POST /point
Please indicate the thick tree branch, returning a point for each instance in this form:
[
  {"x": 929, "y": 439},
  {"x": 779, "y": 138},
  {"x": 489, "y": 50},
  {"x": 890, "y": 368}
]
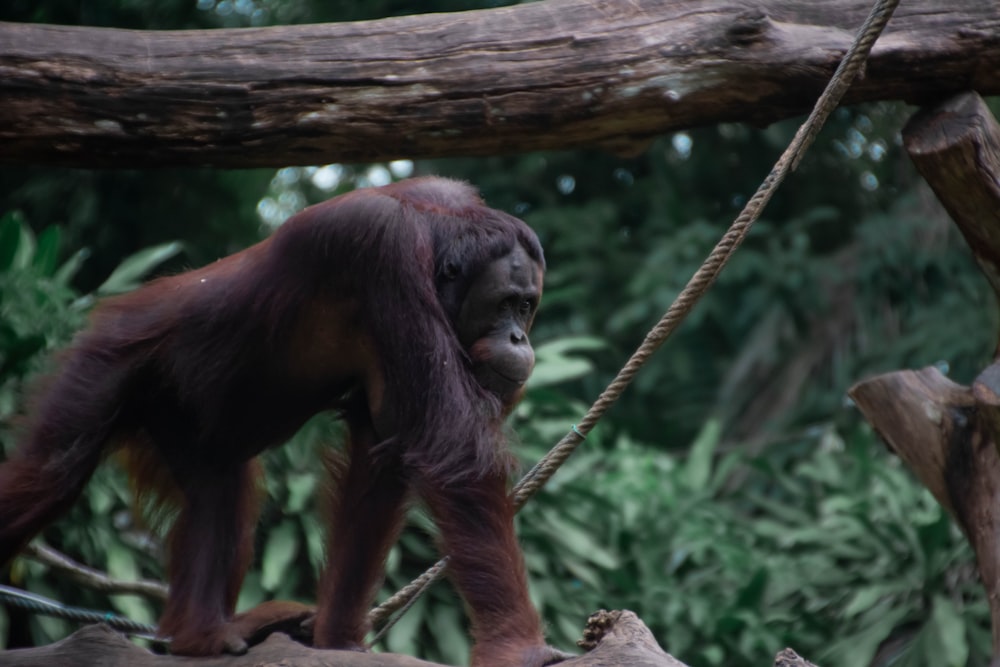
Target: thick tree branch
[
  {"x": 622, "y": 636},
  {"x": 552, "y": 74},
  {"x": 91, "y": 578},
  {"x": 611, "y": 638},
  {"x": 946, "y": 436}
]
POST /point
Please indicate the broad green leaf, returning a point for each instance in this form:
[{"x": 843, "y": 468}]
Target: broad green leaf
[
  {"x": 393, "y": 560},
  {"x": 10, "y": 238},
  {"x": 25, "y": 249},
  {"x": 65, "y": 273},
  {"x": 120, "y": 562},
  {"x": 404, "y": 635},
  {"x": 301, "y": 488},
  {"x": 101, "y": 499},
  {"x": 949, "y": 637},
  {"x": 863, "y": 599},
  {"x": 134, "y": 607},
  {"x": 47, "y": 252},
  {"x": 568, "y": 626},
  {"x": 315, "y": 539},
  {"x": 47, "y": 628},
  {"x": 251, "y": 593},
  {"x": 752, "y": 594},
  {"x": 449, "y": 633},
  {"x": 17, "y": 242},
  {"x": 4, "y": 627},
  {"x": 279, "y": 552},
  {"x": 554, "y": 371},
  {"x": 134, "y": 267},
  {"x": 698, "y": 466},
  {"x": 562, "y": 346},
  {"x": 586, "y": 574},
  {"x": 859, "y": 648},
  {"x": 554, "y": 362},
  {"x": 578, "y": 540}
]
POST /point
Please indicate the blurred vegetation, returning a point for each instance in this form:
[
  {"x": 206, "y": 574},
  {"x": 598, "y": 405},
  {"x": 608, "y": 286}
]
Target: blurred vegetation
[{"x": 734, "y": 498}]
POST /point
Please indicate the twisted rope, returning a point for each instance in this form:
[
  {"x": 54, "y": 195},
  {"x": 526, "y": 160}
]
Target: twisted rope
[
  {"x": 37, "y": 604},
  {"x": 695, "y": 288}
]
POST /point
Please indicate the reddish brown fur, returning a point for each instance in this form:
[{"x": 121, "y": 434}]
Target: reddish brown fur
[{"x": 344, "y": 308}]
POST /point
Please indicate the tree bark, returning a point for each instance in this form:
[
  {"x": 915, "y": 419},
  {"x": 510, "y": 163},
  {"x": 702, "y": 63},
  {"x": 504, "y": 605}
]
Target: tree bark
[
  {"x": 948, "y": 438},
  {"x": 947, "y": 433},
  {"x": 956, "y": 148},
  {"x": 611, "y": 638},
  {"x": 544, "y": 75}
]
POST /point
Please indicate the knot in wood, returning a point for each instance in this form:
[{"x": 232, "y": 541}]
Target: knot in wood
[
  {"x": 598, "y": 624},
  {"x": 748, "y": 27}
]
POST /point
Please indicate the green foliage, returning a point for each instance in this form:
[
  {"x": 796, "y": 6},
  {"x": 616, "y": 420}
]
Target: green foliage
[
  {"x": 128, "y": 275},
  {"x": 114, "y": 213},
  {"x": 39, "y": 311},
  {"x": 728, "y": 558}
]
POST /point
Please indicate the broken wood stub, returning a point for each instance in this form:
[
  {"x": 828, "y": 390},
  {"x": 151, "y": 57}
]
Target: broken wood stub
[
  {"x": 956, "y": 148},
  {"x": 611, "y": 635},
  {"x": 947, "y": 438},
  {"x": 946, "y": 433},
  {"x": 920, "y": 415}
]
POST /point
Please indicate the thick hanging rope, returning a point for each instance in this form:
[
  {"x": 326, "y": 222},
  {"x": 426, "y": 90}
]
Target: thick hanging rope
[{"x": 696, "y": 287}]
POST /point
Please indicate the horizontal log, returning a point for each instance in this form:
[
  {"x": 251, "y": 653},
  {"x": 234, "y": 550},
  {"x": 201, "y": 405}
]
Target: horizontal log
[
  {"x": 612, "y": 638},
  {"x": 544, "y": 75}
]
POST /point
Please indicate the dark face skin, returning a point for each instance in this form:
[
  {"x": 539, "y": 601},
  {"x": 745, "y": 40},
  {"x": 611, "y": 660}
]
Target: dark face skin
[{"x": 495, "y": 319}]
